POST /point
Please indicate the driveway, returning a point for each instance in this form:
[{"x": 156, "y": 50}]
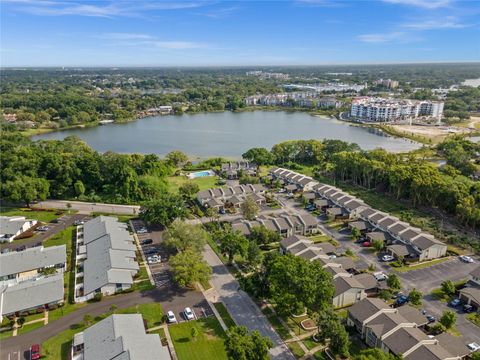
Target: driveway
[
  {"x": 53, "y": 229},
  {"x": 241, "y": 307}
]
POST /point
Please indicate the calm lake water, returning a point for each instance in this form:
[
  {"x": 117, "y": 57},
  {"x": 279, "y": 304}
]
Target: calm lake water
[{"x": 225, "y": 134}]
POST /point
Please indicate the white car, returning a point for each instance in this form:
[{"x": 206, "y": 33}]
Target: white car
[
  {"x": 473, "y": 347},
  {"x": 387, "y": 258},
  {"x": 189, "y": 313},
  {"x": 154, "y": 259},
  {"x": 142, "y": 231},
  {"x": 380, "y": 276},
  {"x": 466, "y": 259},
  {"x": 171, "y": 317}
]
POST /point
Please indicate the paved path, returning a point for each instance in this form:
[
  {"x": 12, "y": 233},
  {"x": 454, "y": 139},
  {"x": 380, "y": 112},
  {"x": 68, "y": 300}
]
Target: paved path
[
  {"x": 242, "y": 309},
  {"x": 85, "y": 207}
]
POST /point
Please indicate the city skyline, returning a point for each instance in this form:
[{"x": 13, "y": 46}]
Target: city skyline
[{"x": 206, "y": 33}]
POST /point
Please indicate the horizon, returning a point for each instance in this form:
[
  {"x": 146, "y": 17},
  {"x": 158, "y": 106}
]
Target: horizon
[{"x": 201, "y": 33}]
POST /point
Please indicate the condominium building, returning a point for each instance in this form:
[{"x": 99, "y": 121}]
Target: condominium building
[{"x": 379, "y": 109}]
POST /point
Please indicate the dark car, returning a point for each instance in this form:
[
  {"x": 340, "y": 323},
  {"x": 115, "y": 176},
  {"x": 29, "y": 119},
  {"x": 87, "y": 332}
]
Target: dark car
[
  {"x": 21, "y": 248},
  {"x": 401, "y": 300},
  {"x": 146, "y": 242},
  {"x": 455, "y": 302},
  {"x": 55, "y": 221},
  {"x": 150, "y": 251},
  {"x": 468, "y": 308},
  {"x": 35, "y": 352},
  {"x": 431, "y": 318}
]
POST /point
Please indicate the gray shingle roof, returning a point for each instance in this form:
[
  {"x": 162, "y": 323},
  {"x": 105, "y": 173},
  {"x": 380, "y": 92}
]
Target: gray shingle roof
[
  {"x": 31, "y": 259},
  {"x": 10, "y": 225},
  {"x": 404, "y": 339},
  {"x": 122, "y": 336},
  {"x": 429, "y": 352},
  {"x": 31, "y": 294},
  {"x": 366, "y": 308},
  {"x": 412, "y": 314},
  {"x": 453, "y": 344},
  {"x": 343, "y": 284}
]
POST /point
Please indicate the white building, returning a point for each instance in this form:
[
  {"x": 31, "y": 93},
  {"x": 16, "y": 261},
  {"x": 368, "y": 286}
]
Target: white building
[
  {"x": 379, "y": 109},
  {"x": 12, "y": 226}
]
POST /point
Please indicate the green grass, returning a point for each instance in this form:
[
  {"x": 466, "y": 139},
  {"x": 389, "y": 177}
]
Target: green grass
[
  {"x": 320, "y": 355},
  {"x": 422, "y": 265},
  {"x": 29, "y": 327},
  {"x": 58, "y": 346},
  {"x": 5, "y": 334},
  {"x": 222, "y": 310},
  {"x": 209, "y": 344},
  {"x": 309, "y": 343},
  {"x": 276, "y": 324},
  {"x": 44, "y": 216},
  {"x": 474, "y": 318},
  {"x": 203, "y": 183},
  {"x": 296, "y": 349},
  {"x": 294, "y": 323}
]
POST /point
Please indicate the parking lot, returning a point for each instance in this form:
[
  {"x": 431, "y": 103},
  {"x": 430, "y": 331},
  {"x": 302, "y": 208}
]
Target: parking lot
[{"x": 171, "y": 297}]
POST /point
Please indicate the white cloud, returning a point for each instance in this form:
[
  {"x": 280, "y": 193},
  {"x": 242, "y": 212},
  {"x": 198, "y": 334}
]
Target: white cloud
[
  {"x": 426, "y": 4},
  {"x": 447, "y": 23},
  {"x": 384, "y": 37}
]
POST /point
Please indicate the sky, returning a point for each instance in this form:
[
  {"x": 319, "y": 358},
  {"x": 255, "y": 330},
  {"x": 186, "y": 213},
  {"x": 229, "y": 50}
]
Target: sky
[{"x": 231, "y": 33}]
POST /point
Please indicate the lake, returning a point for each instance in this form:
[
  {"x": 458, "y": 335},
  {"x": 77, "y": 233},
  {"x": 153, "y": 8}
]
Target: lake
[{"x": 225, "y": 134}]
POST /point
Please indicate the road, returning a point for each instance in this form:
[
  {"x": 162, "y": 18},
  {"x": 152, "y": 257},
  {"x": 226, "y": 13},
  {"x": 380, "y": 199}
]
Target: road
[
  {"x": 85, "y": 207},
  {"x": 241, "y": 307}
]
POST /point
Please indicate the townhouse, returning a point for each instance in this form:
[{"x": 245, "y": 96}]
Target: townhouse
[
  {"x": 219, "y": 198},
  {"x": 399, "y": 331},
  {"x": 119, "y": 336},
  {"x": 470, "y": 294},
  {"x": 300, "y": 181},
  {"x": 13, "y": 226},
  {"x": 233, "y": 170},
  {"x": 106, "y": 256},
  {"x": 31, "y": 263}
]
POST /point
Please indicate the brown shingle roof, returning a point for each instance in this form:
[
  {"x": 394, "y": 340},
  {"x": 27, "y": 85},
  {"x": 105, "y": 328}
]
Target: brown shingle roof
[
  {"x": 413, "y": 315},
  {"x": 429, "y": 352},
  {"x": 343, "y": 284},
  {"x": 366, "y": 308},
  {"x": 404, "y": 339}
]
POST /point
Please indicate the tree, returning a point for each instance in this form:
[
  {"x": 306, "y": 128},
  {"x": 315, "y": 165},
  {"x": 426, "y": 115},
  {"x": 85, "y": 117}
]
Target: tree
[
  {"x": 249, "y": 208},
  {"x": 448, "y": 319},
  {"x": 182, "y": 236},
  {"x": 241, "y": 345},
  {"x": 330, "y": 328},
  {"x": 355, "y": 234},
  {"x": 87, "y": 320},
  {"x": 188, "y": 190},
  {"x": 415, "y": 297},
  {"x": 26, "y": 189},
  {"x": 263, "y": 236},
  {"x": 259, "y": 156},
  {"x": 177, "y": 158},
  {"x": 437, "y": 328},
  {"x": 374, "y": 354},
  {"x": 378, "y": 245},
  {"x": 189, "y": 267},
  {"x": 393, "y": 282},
  {"x": 254, "y": 254},
  {"x": 232, "y": 243},
  {"x": 21, "y": 321},
  {"x": 385, "y": 294},
  {"x": 448, "y": 287},
  {"x": 163, "y": 210},
  {"x": 79, "y": 188}
]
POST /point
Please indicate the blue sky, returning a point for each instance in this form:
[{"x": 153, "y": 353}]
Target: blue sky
[{"x": 191, "y": 32}]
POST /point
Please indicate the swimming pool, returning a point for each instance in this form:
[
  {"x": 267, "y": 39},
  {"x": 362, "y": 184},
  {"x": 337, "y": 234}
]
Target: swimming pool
[{"x": 201, "y": 174}]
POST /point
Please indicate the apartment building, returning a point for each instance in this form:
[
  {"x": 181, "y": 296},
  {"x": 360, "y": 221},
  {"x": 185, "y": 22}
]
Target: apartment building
[{"x": 13, "y": 226}]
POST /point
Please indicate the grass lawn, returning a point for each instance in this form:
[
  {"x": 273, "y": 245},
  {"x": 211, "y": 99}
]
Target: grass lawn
[
  {"x": 320, "y": 355},
  {"x": 5, "y": 334},
  {"x": 209, "y": 343},
  {"x": 294, "y": 323},
  {"x": 222, "y": 310},
  {"x": 474, "y": 318},
  {"x": 296, "y": 349},
  {"x": 29, "y": 327},
  {"x": 58, "y": 346},
  {"x": 203, "y": 183},
  {"x": 420, "y": 266},
  {"x": 276, "y": 324},
  {"x": 44, "y": 216}
]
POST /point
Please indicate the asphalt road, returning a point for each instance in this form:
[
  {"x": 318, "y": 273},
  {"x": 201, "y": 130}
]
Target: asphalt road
[
  {"x": 85, "y": 207},
  {"x": 241, "y": 307}
]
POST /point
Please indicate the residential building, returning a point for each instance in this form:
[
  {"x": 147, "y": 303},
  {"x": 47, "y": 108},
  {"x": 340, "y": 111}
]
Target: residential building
[
  {"x": 41, "y": 292},
  {"x": 383, "y": 110},
  {"x": 119, "y": 336},
  {"x": 233, "y": 196},
  {"x": 475, "y": 276},
  {"x": 303, "y": 182},
  {"x": 13, "y": 226},
  {"x": 106, "y": 254},
  {"x": 233, "y": 170},
  {"x": 388, "y": 83},
  {"x": 29, "y": 264},
  {"x": 348, "y": 291}
]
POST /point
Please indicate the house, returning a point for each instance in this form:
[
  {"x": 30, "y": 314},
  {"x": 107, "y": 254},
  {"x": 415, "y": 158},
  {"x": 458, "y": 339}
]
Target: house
[
  {"x": 108, "y": 260},
  {"x": 336, "y": 213},
  {"x": 382, "y": 326},
  {"x": 24, "y": 265},
  {"x": 304, "y": 183},
  {"x": 401, "y": 251},
  {"x": 233, "y": 170},
  {"x": 470, "y": 296},
  {"x": 321, "y": 204},
  {"x": 293, "y": 241},
  {"x": 219, "y": 198},
  {"x": 347, "y": 291},
  {"x": 475, "y": 276},
  {"x": 119, "y": 336},
  {"x": 309, "y": 197},
  {"x": 360, "y": 225},
  {"x": 305, "y": 224},
  {"x": 13, "y": 226},
  {"x": 454, "y": 345},
  {"x": 370, "y": 284},
  {"x": 43, "y": 292},
  {"x": 430, "y": 352},
  {"x": 242, "y": 227},
  {"x": 366, "y": 310}
]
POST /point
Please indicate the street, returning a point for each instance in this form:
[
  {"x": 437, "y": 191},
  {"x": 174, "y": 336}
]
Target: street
[{"x": 86, "y": 208}]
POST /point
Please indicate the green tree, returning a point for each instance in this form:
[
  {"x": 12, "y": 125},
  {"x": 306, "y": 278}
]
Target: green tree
[
  {"x": 79, "y": 188},
  {"x": 189, "y": 190},
  {"x": 177, "y": 158},
  {"x": 437, "y": 328},
  {"x": 448, "y": 319},
  {"x": 448, "y": 287},
  {"x": 330, "y": 328},
  {"x": 163, "y": 210},
  {"x": 26, "y": 189},
  {"x": 182, "y": 236},
  {"x": 254, "y": 254},
  {"x": 263, "y": 236},
  {"x": 189, "y": 267},
  {"x": 259, "y": 156},
  {"x": 378, "y": 245},
  {"x": 241, "y": 345},
  {"x": 249, "y": 208},
  {"x": 374, "y": 354},
  {"x": 232, "y": 243},
  {"x": 385, "y": 294},
  {"x": 393, "y": 282},
  {"x": 415, "y": 297},
  {"x": 355, "y": 234}
]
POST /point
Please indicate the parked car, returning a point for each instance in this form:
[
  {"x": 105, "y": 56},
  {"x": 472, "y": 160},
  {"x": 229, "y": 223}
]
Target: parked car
[
  {"x": 78, "y": 222},
  {"x": 455, "y": 302},
  {"x": 4, "y": 251},
  {"x": 171, "y": 317},
  {"x": 473, "y": 347},
  {"x": 431, "y": 318},
  {"x": 150, "y": 251},
  {"x": 380, "y": 276},
  {"x": 189, "y": 314},
  {"x": 290, "y": 195},
  {"x": 468, "y": 308},
  {"x": 401, "y": 300},
  {"x": 366, "y": 244},
  {"x": 146, "y": 242},
  {"x": 360, "y": 240},
  {"x": 282, "y": 191},
  {"x": 222, "y": 212},
  {"x": 142, "y": 230},
  {"x": 43, "y": 228},
  {"x": 466, "y": 259},
  {"x": 387, "y": 258},
  {"x": 55, "y": 221},
  {"x": 21, "y": 248},
  {"x": 35, "y": 352}
]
